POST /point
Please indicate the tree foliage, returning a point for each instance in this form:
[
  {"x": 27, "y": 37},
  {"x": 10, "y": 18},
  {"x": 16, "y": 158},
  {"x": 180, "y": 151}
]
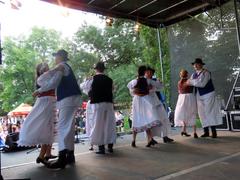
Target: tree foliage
[
  {"x": 119, "y": 46},
  {"x": 21, "y": 56},
  {"x": 123, "y": 50},
  {"x": 151, "y": 55}
]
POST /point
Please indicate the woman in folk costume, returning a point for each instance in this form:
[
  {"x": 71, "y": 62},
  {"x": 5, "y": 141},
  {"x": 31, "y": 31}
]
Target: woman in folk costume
[
  {"x": 145, "y": 114},
  {"x": 164, "y": 130},
  {"x": 186, "y": 108},
  {"x": 99, "y": 89},
  {"x": 86, "y": 87},
  {"x": 208, "y": 106},
  {"x": 39, "y": 126},
  {"x": 68, "y": 100}
]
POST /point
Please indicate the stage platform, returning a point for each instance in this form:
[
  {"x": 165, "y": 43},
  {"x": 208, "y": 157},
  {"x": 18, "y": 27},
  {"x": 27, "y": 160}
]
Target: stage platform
[{"x": 186, "y": 159}]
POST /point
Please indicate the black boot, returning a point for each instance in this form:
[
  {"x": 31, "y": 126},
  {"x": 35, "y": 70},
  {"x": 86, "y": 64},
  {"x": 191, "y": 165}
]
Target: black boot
[
  {"x": 214, "y": 131},
  {"x": 167, "y": 139},
  {"x": 110, "y": 148},
  {"x": 101, "y": 149},
  {"x": 195, "y": 135},
  {"x": 154, "y": 141},
  {"x": 206, "y": 132},
  {"x": 133, "y": 144},
  {"x": 61, "y": 162},
  {"x": 185, "y": 134},
  {"x": 70, "y": 157}
]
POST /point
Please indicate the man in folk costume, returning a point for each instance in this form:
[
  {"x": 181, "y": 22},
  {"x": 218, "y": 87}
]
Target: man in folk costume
[
  {"x": 166, "y": 126},
  {"x": 68, "y": 100},
  {"x": 207, "y": 104},
  {"x": 101, "y": 100}
]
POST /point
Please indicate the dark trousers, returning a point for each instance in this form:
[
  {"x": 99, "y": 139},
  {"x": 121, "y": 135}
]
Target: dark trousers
[
  {"x": 130, "y": 122},
  {"x": 213, "y": 128},
  {"x": 102, "y": 147}
]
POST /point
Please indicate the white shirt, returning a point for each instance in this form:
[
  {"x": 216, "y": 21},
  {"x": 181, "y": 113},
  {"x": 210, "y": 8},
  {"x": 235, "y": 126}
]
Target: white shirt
[
  {"x": 86, "y": 85},
  {"x": 156, "y": 85},
  {"x": 202, "y": 79},
  {"x": 152, "y": 96},
  {"x": 74, "y": 100}
]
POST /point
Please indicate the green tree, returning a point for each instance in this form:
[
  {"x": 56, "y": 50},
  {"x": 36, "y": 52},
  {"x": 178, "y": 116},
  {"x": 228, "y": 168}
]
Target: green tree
[
  {"x": 17, "y": 75},
  {"x": 20, "y": 58},
  {"x": 121, "y": 76},
  {"x": 123, "y": 50},
  {"x": 44, "y": 42},
  {"x": 115, "y": 45},
  {"x": 150, "y": 54}
]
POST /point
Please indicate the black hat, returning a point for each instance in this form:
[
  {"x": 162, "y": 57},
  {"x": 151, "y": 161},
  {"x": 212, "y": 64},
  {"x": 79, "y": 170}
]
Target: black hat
[
  {"x": 198, "y": 61},
  {"x": 150, "y": 69},
  {"x": 100, "y": 66},
  {"x": 61, "y": 53}
]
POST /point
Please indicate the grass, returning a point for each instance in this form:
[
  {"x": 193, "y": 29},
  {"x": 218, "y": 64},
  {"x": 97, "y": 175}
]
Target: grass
[
  {"x": 198, "y": 123},
  {"x": 127, "y": 128}
]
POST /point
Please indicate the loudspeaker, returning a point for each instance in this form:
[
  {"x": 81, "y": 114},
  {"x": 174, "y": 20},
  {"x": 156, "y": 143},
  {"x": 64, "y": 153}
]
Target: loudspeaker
[
  {"x": 225, "y": 126},
  {"x": 11, "y": 142},
  {"x": 235, "y": 120}
]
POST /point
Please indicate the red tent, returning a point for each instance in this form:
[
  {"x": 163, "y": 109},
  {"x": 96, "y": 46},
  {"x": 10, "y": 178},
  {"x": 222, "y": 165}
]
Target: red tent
[
  {"x": 21, "y": 110},
  {"x": 84, "y": 105}
]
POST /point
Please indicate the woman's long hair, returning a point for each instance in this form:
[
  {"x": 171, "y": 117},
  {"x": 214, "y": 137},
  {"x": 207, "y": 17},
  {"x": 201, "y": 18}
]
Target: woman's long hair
[
  {"x": 40, "y": 69},
  {"x": 141, "y": 87},
  {"x": 183, "y": 75}
]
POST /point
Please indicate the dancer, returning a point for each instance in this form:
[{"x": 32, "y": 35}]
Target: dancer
[
  {"x": 145, "y": 111},
  {"x": 164, "y": 130},
  {"x": 39, "y": 126},
  {"x": 68, "y": 101},
  {"x": 101, "y": 99},
  {"x": 86, "y": 87},
  {"x": 209, "y": 109},
  {"x": 186, "y": 108}
]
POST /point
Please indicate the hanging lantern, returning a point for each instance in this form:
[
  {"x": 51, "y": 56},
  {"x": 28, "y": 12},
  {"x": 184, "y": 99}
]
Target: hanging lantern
[
  {"x": 137, "y": 27},
  {"x": 109, "y": 21},
  {"x": 15, "y": 4}
]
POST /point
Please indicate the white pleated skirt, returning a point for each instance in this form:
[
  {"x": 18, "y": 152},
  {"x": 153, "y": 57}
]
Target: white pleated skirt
[
  {"x": 89, "y": 119},
  {"x": 186, "y": 110},
  {"x": 147, "y": 111},
  {"x": 165, "y": 128},
  {"x": 104, "y": 126},
  {"x": 39, "y": 126},
  {"x": 209, "y": 110}
]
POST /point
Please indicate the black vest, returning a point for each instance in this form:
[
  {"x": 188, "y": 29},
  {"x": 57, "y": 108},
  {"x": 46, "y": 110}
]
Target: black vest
[
  {"x": 204, "y": 90},
  {"x": 101, "y": 90},
  {"x": 68, "y": 86}
]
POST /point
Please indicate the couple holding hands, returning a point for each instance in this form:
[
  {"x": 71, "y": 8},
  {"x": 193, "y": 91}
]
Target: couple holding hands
[{"x": 197, "y": 96}]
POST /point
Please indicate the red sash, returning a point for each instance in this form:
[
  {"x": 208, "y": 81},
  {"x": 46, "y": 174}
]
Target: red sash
[{"x": 47, "y": 93}]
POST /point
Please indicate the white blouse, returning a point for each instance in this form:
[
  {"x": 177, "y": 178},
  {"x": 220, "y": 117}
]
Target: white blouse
[
  {"x": 53, "y": 84},
  {"x": 202, "y": 79},
  {"x": 86, "y": 85},
  {"x": 156, "y": 85}
]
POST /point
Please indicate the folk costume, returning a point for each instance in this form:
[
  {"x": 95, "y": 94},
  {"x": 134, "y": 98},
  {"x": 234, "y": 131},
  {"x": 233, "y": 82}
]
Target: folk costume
[
  {"x": 39, "y": 128},
  {"x": 186, "y": 108},
  {"x": 207, "y": 104},
  {"x": 164, "y": 130},
  {"x": 68, "y": 100},
  {"x": 86, "y": 87},
  {"x": 101, "y": 102},
  {"x": 147, "y": 111}
]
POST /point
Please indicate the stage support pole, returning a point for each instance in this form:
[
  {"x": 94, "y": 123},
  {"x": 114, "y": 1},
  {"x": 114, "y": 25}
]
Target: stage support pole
[
  {"x": 237, "y": 25},
  {"x": 160, "y": 54},
  {"x": 238, "y": 58},
  {"x": 0, "y": 40}
]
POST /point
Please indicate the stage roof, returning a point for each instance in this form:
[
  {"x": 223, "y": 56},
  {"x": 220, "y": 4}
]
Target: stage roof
[{"x": 154, "y": 13}]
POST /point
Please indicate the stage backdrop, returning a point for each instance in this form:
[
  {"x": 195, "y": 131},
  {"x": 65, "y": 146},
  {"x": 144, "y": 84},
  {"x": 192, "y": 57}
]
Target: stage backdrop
[{"x": 203, "y": 37}]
